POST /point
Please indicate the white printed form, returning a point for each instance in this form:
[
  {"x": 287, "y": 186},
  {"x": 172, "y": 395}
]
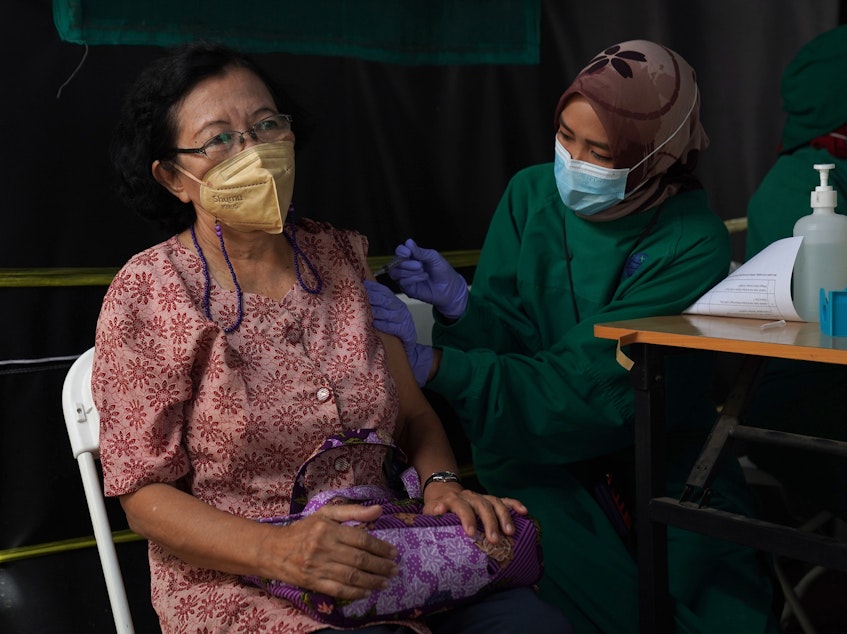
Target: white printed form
[{"x": 759, "y": 289}]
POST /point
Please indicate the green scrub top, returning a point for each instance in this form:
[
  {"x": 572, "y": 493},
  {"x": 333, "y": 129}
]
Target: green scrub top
[
  {"x": 519, "y": 365},
  {"x": 536, "y": 392}
]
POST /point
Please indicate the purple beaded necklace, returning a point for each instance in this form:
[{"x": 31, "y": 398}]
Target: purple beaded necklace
[
  {"x": 298, "y": 255},
  {"x": 208, "y": 288}
]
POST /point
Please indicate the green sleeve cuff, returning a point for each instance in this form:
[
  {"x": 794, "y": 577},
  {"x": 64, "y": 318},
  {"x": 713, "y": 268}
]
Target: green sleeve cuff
[{"x": 454, "y": 370}]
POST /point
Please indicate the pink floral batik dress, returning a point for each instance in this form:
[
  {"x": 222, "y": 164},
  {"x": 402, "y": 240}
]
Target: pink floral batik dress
[{"x": 231, "y": 417}]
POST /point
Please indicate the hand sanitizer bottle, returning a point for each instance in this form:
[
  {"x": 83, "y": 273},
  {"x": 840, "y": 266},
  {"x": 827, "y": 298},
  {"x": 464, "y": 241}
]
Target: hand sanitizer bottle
[{"x": 822, "y": 259}]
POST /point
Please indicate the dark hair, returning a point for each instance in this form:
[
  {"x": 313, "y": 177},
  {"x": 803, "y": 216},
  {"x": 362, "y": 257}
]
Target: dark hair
[{"x": 146, "y": 130}]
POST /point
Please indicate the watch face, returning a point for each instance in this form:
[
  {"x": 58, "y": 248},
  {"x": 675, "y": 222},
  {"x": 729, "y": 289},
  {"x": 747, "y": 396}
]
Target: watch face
[{"x": 442, "y": 476}]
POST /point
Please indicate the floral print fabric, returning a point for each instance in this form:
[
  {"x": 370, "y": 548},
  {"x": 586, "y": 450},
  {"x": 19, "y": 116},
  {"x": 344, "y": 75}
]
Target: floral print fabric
[{"x": 231, "y": 417}]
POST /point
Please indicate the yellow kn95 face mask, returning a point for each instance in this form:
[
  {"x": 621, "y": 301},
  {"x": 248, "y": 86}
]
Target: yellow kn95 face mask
[{"x": 252, "y": 190}]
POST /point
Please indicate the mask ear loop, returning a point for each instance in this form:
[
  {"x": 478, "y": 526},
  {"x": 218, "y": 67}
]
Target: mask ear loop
[
  {"x": 663, "y": 143},
  {"x": 179, "y": 168}
]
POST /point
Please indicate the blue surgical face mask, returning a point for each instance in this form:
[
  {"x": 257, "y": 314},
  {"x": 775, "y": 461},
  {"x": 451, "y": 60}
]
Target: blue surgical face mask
[{"x": 587, "y": 188}]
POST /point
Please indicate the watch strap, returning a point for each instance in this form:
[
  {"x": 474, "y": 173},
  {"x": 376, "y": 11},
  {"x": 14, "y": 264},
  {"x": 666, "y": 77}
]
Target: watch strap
[{"x": 441, "y": 476}]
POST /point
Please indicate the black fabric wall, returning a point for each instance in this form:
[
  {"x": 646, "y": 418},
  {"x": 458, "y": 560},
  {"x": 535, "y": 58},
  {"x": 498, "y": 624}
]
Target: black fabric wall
[{"x": 397, "y": 152}]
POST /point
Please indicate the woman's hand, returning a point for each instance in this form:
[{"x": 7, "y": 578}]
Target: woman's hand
[
  {"x": 317, "y": 552},
  {"x": 443, "y": 497},
  {"x": 320, "y": 553}
]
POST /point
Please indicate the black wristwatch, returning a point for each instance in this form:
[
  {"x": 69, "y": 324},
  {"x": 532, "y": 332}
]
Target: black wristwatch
[{"x": 441, "y": 476}]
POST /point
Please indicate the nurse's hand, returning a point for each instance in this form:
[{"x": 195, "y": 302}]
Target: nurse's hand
[{"x": 425, "y": 275}]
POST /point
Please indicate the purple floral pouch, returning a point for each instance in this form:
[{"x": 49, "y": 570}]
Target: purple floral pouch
[{"x": 439, "y": 566}]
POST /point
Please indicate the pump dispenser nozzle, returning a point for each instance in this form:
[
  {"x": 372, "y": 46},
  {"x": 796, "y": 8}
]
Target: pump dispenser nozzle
[{"x": 824, "y": 197}]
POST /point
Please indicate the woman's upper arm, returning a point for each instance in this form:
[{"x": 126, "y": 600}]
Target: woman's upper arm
[{"x": 140, "y": 382}]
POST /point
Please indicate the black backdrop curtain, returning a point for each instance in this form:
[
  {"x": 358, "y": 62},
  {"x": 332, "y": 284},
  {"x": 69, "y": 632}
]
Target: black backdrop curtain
[{"x": 398, "y": 151}]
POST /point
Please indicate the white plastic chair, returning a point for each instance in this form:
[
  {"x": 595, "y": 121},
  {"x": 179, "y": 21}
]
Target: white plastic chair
[{"x": 83, "y": 423}]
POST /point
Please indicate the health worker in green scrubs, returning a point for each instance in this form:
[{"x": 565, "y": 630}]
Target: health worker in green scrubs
[
  {"x": 799, "y": 396},
  {"x": 617, "y": 227}
]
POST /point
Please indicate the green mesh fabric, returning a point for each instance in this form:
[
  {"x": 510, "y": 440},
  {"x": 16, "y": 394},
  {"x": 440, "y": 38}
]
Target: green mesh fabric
[{"x": 413, "y": 32}]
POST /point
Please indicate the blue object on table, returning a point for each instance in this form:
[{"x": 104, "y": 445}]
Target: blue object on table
[{"x": 833, "y": 313}]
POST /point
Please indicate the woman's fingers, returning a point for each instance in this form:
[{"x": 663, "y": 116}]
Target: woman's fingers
[
  {"x": 472, "y": 507},
  {"x": 494, "y": 515},
  {"x": 515, "y": 505},
  {"x": 339, "y": 560}
]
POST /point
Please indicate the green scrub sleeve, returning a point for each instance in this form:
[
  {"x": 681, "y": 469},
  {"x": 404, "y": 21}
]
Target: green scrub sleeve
[{"x": 526, "y": 383}]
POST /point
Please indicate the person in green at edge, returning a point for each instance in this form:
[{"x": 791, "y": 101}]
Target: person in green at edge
[
  {"x": 617, "y": 227},
  {"x": 799, "y": 396}
]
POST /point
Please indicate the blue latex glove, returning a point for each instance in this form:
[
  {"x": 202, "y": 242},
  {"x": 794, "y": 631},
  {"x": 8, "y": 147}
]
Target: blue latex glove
[
  {"x": 392, "y": 317},
  {"x": 425, "y": 275}
]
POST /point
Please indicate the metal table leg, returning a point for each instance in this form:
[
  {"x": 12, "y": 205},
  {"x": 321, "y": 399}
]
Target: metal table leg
[{"x": 655, "y": 615}]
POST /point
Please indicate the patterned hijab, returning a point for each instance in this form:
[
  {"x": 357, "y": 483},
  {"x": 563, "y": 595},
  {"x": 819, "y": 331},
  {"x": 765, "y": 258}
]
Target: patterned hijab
[
  {"x": 647, "y": 100},
  {"x": 814, "y": 90}
]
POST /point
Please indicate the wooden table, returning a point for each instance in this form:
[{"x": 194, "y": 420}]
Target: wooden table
[{"x": 649, "y": 340}]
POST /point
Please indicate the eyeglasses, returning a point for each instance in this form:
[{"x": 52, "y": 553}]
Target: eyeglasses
[{"x": 230, "y": 142}]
